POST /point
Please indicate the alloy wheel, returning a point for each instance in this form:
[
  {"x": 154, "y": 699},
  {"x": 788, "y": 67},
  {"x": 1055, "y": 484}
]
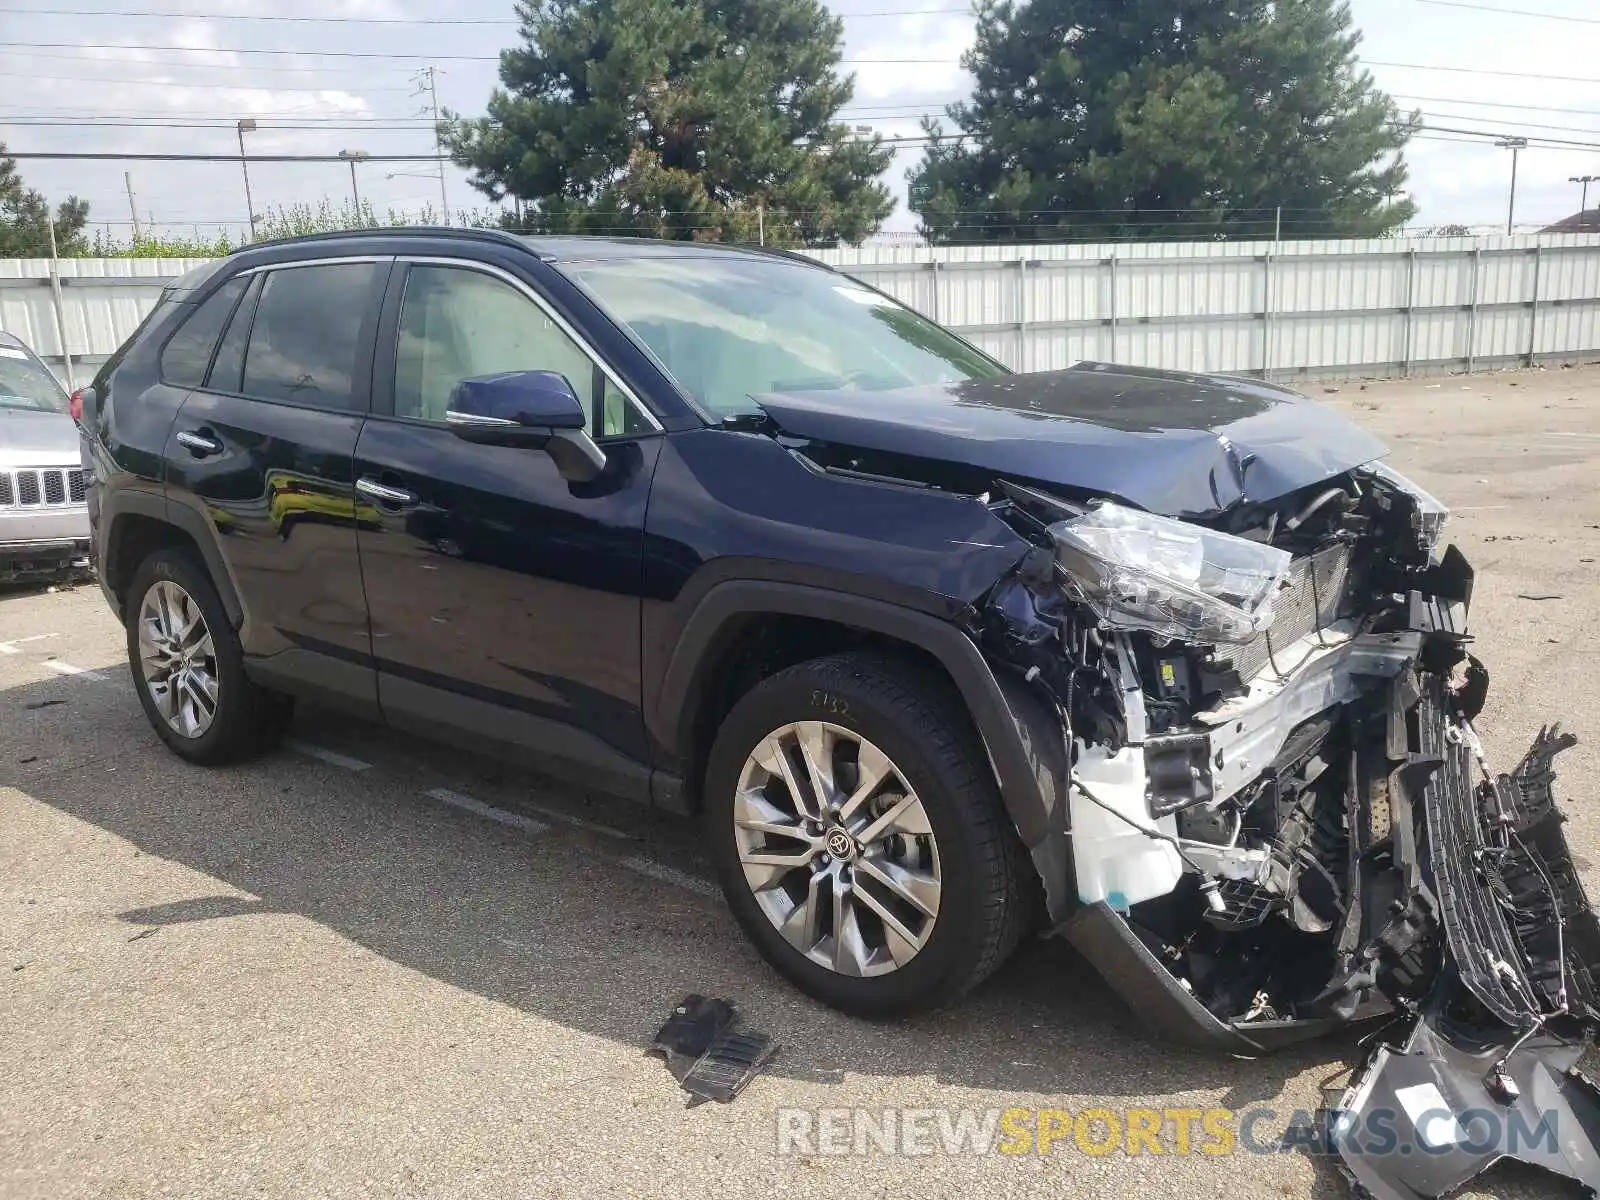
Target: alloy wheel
[
  {"x": 177, "y": 658},
  {"x": 837, "y": 848}
]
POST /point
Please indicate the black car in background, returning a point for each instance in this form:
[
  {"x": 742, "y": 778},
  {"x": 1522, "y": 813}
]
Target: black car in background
[{"x": 1172, "y": 665}]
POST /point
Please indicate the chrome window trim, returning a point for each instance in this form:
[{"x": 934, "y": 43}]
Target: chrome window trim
[
  {"x": 452, "y": 417},
  {"x": 560, "y": 322},
  {"x": 340, "y": 261}
]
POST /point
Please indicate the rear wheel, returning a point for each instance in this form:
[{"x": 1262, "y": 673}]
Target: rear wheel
[
  {"x": 860, "y": 839},
  {"x": 188, "y": 665}
]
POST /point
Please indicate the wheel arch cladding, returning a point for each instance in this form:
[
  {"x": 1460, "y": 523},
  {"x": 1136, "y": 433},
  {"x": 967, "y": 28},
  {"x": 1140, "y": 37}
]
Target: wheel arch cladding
[
  {"x": 1023, "y": 741},
  {"x": 141, "y": 524}
]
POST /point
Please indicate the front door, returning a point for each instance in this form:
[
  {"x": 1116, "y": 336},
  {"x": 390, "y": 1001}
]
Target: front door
[
  {"x": 265, "y": 447},
  {"x": 504, "y": 600}
]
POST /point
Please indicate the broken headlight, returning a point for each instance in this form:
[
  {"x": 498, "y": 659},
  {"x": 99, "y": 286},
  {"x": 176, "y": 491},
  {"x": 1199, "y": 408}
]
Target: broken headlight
[
  {"x": 1430, "y": 513},
  {"x": 1135, "y": 570}
]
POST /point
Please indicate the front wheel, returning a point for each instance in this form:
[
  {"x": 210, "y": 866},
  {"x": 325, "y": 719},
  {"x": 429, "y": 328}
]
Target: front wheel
[
  {"x": 188, "y": 666},
  {"x": 860, "y": 839}
]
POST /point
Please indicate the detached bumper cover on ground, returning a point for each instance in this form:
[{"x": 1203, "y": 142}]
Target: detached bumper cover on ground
[{"x": 1487, "y": 1066}]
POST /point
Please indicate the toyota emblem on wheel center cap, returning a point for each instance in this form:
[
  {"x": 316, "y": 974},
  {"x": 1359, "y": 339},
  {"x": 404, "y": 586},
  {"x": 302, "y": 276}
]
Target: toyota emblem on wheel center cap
[{"x": 841, "y": 845}]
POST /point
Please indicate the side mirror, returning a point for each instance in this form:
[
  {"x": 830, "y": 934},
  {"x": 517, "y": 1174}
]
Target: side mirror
[{"x": 533, "y": 409}]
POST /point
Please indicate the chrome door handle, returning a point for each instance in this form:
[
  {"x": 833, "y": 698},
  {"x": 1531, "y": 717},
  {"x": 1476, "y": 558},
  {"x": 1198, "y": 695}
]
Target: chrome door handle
[
  {"x": 199, "y": 444},
  {"x": 384, "y": 494}
]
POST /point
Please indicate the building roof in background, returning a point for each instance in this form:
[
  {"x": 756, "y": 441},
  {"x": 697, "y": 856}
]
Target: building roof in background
[{"x": 1587, "y": 221}]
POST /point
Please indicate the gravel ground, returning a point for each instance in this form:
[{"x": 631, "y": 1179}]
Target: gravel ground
[{"x": 319, "y": 975}]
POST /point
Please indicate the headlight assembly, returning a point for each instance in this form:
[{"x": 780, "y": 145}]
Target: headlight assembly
[
  {"x": 1430, "y": 513},
  {"x": 1135, "y": 570}
]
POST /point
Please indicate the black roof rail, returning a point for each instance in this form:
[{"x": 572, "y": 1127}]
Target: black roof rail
[
  {"x": 449, "y": 232},
  {"x": 529, "y": 242},
  {"x": 780, "y": 252}
]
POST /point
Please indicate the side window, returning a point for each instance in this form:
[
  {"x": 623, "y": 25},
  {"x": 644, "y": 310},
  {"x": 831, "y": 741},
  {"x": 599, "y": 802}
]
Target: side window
[
  {"x": 456, "y": 324},
  {"x": 188, "y": 351},
  {"x": 228, "y": 367},
  {"x": 307, "y": 335}
]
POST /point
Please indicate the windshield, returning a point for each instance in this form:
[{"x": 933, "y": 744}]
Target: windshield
[
  {"x": 731, "y": 327},
  {"x": 26, "y": 384}
]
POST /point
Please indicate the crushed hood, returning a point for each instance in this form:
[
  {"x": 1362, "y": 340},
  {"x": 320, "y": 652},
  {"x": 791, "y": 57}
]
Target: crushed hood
[{"x": 1171, "y": 443}]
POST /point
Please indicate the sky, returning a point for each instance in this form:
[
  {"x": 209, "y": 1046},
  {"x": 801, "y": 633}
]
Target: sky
[{"x": 154, "y": 76}]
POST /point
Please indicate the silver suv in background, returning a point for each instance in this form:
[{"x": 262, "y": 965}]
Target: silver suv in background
[{"x": 44, "y": 523}]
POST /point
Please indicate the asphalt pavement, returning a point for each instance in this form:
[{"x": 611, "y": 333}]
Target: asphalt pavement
[{"x": 365, "y": 965}]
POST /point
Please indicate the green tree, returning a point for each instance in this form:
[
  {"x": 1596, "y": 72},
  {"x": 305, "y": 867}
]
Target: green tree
[
  {"x": 25, "y": 218},
  {"x": 1164, "y": 119},
  {"x": 704, "y": 119}
]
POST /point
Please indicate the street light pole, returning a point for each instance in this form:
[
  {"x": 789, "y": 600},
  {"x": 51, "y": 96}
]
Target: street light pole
[
  {"x": 1586, "y": 180},
  {"x": 1516, "y": 145},
  {"x": 244, "y": 127}
]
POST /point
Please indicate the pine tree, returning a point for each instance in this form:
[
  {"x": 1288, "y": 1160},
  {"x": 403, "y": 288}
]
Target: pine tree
[
  {"x": 25, "y": 218},
  {"x": 706, "y": 119},
  {"x": 1164, "y": 119}
]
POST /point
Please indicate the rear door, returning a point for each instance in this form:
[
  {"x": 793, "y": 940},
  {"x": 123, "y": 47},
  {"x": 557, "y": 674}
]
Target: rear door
[
  {"x": 265, "y": 449},
  {"x": 504, "y": 599}
]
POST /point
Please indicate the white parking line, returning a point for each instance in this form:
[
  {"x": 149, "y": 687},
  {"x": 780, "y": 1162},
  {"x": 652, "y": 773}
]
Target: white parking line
[
  {"x": 479, "y": 808},
  {"x": 578, "y": 822},
  {"x": 332, "y": 757},
  {"x": 693, "y": 883},
  {"x": 66, "y": 668},
  {"x": 11, "y": 646}
]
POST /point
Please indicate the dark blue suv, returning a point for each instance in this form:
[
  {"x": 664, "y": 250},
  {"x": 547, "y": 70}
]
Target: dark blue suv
[{"x": 1174, "y": 665}]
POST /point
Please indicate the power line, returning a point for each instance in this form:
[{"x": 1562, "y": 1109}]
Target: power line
[
  {"x": 1514, "y": 12},
  {"x": 1587, "y": 112},
  {"x": 1500, "y": 133},
  {"x": 1516, "y": 123},
  {"x": 1372, "y": 62},
  {"x": 121, "y": 156},
  {"x": 883, "y": 112},
  {"x": 162, "y": 65},
  {"x": 473, "y": 21},
  {"x": 168, "y": 83},
  {"x": 385, "y": 54},
  {"x": 140, "y": 49},
  {"x": 328, "y": 126},
  {"x": 199, "y": 16}
]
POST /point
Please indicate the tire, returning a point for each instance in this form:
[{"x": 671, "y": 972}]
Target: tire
[
  {"x": 987, "y": 890},
  {"x": 246, "y": 719}
]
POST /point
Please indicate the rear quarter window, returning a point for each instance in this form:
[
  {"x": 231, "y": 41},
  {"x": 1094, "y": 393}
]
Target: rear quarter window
[{"x": 188, "y": 352}]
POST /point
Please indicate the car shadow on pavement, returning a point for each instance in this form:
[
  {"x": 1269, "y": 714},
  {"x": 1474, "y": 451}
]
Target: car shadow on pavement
[{"x": 554, "y": 924}]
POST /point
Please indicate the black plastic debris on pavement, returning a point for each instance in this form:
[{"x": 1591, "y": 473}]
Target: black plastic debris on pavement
[{"x": 710, "y": 1059}]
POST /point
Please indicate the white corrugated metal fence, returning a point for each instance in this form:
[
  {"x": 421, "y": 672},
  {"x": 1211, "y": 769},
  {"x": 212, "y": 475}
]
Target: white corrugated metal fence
[
  {"x": 1291, "y": 309},
  {"x": 1315, "y": 309}
]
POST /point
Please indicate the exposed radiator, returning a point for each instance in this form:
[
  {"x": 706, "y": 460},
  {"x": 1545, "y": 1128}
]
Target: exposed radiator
[{"x": 1317, "y": 595}]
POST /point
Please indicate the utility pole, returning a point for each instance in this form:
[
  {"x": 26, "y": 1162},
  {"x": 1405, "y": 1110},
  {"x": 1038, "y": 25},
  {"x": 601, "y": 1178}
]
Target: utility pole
[
  {"x": 133, "y": 211},
  {"x": 247, "y": 126},
  {"x": 427, "y": 84},
  {"x": 761, "y": 222},
  {"x": 1586, "y": 180},
  {"x": 55, "y": 298},
  {"x": 1516, "y": 145},
  {"x": 353, "y": 157}
]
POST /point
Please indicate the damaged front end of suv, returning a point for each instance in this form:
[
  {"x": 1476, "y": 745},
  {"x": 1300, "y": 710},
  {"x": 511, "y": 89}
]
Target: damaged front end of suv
[
  {"x": 1245, "y": 652},
  {"x": 1281, "y": 818}
]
